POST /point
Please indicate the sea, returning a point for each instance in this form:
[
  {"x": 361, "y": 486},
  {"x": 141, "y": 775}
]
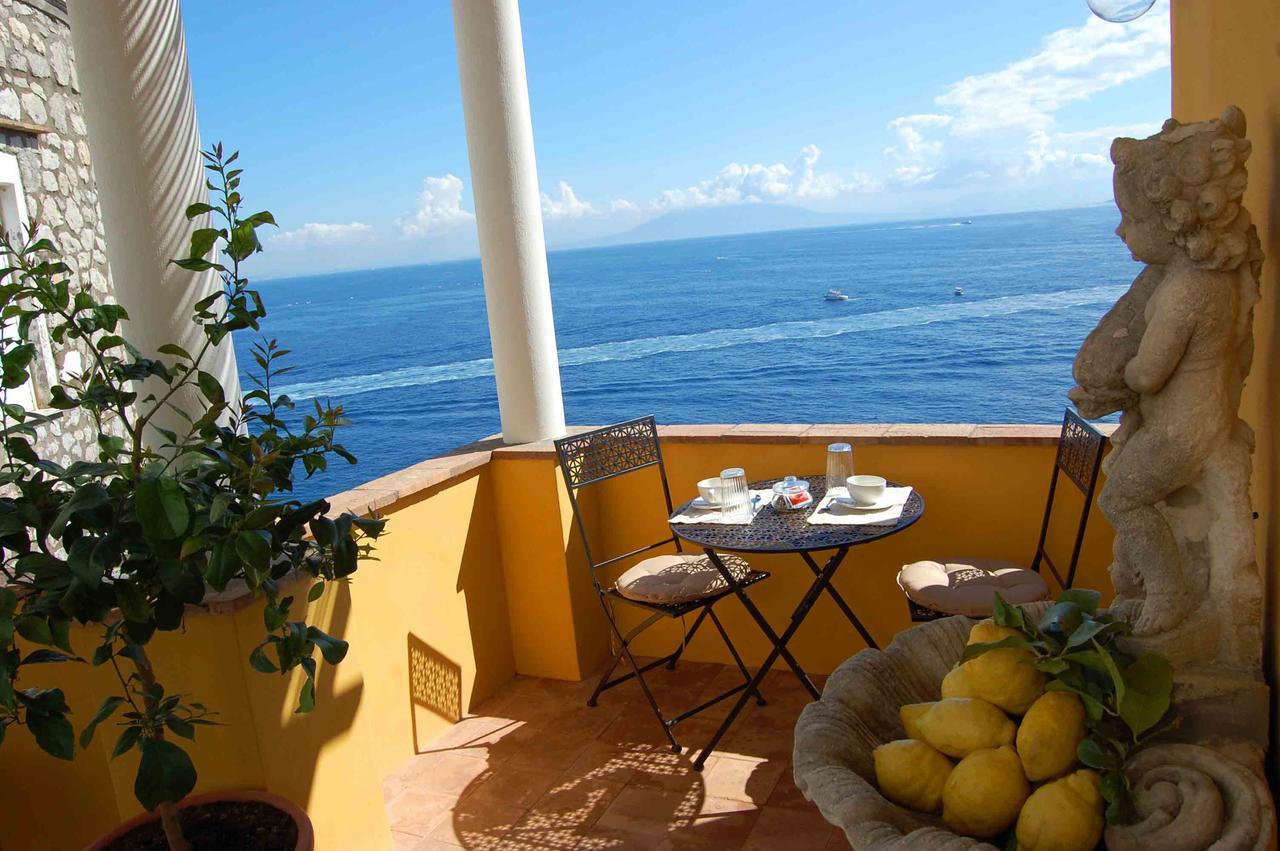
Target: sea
[{"x": 728, "y": 329}]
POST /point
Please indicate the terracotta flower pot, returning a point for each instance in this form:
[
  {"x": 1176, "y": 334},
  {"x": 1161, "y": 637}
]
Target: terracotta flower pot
[{"x": 306, "y": 835}]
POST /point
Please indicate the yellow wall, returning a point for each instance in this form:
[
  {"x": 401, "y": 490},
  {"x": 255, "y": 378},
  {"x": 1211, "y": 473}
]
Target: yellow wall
[
  {"x": 438, "y": 579},
  {"x": 484, "y": 574},
  {"x": 1227, "y": 53}
]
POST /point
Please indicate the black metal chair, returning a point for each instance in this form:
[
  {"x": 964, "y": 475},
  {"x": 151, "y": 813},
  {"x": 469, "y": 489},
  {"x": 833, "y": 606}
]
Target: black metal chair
[
  {"x": 666, "y": 586},
  {"x": 968, "y": 585}
]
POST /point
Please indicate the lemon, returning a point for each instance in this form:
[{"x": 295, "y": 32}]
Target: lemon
[
  {"x": 958, "y": 726},
  {"x": 910, "y": 714},
  {"x": 956, "y": 683},
  {"x": 1065, "y": 815},
  {"x": 912, "y": 774},
  {"x": 985, "y": 631},
  {"x": 1006, "y": 677},
  {"x": 984, "y": 792},
  {"x": 1049, "y": 734}
]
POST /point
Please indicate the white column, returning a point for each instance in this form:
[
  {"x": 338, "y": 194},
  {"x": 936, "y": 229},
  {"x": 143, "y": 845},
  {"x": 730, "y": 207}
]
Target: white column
[
  {"x": 131, "y": 60},
  {"x": 513, "y": 254}
]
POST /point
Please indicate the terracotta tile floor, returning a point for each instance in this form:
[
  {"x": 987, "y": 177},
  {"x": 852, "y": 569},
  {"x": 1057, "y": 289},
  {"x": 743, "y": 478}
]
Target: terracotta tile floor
[{"x": 535, "y": 768}]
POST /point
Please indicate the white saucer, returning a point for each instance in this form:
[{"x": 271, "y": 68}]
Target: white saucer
[
  {"x": 879, "y": 505},
  {"x": 699, "y": 502}
]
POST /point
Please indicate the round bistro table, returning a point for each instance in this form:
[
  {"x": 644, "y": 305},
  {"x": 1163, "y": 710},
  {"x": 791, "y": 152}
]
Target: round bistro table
[{"x": 775, "y": 531}]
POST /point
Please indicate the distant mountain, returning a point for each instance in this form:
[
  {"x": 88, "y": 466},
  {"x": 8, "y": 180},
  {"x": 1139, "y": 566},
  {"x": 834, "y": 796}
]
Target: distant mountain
[{"x": 722, "y": 221}]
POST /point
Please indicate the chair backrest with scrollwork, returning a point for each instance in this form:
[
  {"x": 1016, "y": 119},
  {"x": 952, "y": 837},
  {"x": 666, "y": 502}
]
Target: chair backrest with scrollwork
[
  {"x": 1080, "y": 450},
  {"x": 607, "y": 453}
]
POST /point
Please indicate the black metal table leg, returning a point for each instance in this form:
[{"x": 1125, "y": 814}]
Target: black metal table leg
[
  {"x": 844, "y": 607},
  {"x": 763, "y": 623},
  {"x": 779, "y": 648}
]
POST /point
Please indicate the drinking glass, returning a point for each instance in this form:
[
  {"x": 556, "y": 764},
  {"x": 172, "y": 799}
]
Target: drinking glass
[
  {"x": 737, "y": 499},
  {"x": 839, "y": 467}
]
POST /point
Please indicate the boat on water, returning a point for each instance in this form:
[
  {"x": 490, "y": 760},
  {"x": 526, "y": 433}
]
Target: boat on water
[
  {"x": 966, "y": 221},
  {"x": 835, "y": 295},
  {"x": 959, "y": 290}
]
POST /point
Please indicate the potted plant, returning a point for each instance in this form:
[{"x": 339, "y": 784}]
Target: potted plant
[{"x": 128, "y": 539}]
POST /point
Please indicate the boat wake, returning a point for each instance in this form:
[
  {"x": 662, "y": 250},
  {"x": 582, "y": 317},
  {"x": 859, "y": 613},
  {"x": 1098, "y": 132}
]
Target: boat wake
[{"x": 723, "y": 338}]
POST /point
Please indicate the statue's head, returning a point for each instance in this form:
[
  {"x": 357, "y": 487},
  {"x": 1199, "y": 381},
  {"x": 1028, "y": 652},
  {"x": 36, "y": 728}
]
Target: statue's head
[{"x": 1180, "y": 191}]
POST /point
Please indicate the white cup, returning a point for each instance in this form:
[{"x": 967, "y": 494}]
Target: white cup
[
  {"x": 866, "y": 490},
  {"x": 712, "y": 490}
]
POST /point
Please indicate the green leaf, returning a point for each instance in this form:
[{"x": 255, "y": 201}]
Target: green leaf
[
  {"x": 1061, "y": 620},
  {"x": 1148, "y": 691},
  {"x": 53, "y": 733},
  {"x": 262, "y": 218},
  {"x": 127, "y": 740},
  {"x": 274, "y": 616},
  {"x": 254, "y": 549},
  {"x": 259, "y": 662},
  {"x": 87, "y": 498},
  {"x": 334, "y": 650},
  {"x": 105, "y": 711},
  {"x": 1095, "y": 755},
  {"x": 210, "y": 387},
  {"x": 1092, "y": 707},
  {"x": 34, "y": 629},
  {"x": 1114, "y": 785},
  {"x": 38, "y": 657},
  {"x": 181, "y": 727},
  {"x": 316, "y": 592},
  {"x": 1013, "y": 641},
  {"x": 1090, "y": 629},
  {"x": 307, "y": 697},
  {"x": 192, "y": 264},
  {"x": 202, "y": 240},
  {"x": 1006, "y": 615},
  {"x": 218, "y": 505},
  {"x": 1085, "y": 598},
  {"x": 162, "y": 508},
  {"x": 1112, "y": 671},
  {"x": 1052, "y": 665},
  {"x": 175, "y": 350},
  {"x": 165, "y": 774},
  {"x": 198, "y": 209},
  {"x": 61, "y": 631},
  {"x": 132, "y": 601}
]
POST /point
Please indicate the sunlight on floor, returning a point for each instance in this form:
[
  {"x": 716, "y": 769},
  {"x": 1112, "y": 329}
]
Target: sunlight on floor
[{"x": 535, "y": 768}]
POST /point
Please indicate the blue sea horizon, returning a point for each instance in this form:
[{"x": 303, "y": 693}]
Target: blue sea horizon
[{"x": 725, "y": 329}]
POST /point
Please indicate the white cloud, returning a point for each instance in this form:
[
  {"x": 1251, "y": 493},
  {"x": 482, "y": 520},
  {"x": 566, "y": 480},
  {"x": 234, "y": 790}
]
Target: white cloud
[
  {"x": 914, "y": 175},
  {"x": 1082, "y": 148},
  {"x": 911, "y": 139},
  {"x": 319, "y": 233},
  {"x": 1072, "y": 65},
  {"x": 756, "y": 183},
  {"x": 1010, "y": 114},
  {"x": 439, "y": 208},
  {"x": 567, "y": 206}
]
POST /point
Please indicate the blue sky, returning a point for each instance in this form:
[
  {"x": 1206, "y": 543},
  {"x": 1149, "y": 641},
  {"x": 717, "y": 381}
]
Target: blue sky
[{"x": 351, "y": 131}]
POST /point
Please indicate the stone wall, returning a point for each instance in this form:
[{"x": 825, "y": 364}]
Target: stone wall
[{"x": 41, "y": 124}]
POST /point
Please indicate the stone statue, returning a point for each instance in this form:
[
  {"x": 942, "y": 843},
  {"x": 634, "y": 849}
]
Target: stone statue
[{"x": 1172, "y": 356}]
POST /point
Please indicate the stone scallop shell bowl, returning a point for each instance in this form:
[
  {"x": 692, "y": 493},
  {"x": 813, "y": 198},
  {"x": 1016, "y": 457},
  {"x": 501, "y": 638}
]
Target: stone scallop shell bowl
[{"x": 1187, "y": 797}]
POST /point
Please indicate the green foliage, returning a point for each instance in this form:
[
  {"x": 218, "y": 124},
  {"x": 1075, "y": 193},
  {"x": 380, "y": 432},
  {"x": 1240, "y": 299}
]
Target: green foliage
[
  {"x": 1127, "y": 701},
  {"x": 131, "y": 537}
]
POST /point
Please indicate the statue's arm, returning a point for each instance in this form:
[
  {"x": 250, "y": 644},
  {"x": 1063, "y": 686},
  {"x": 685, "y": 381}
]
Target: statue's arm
[{"x": 1164, "y": 342}]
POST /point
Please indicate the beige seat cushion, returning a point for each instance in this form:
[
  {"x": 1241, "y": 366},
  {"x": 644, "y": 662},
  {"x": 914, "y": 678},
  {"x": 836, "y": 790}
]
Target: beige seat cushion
[
  {"x": 968, "y": 586},
  {"x": 678, "y": 578}
]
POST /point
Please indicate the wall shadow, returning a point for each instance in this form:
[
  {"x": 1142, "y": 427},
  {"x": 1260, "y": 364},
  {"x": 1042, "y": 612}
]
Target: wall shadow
[{"x": 435, "y": 684}]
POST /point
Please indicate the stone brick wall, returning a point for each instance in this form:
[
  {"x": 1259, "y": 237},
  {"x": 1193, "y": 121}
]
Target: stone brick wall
[{"x": 38, "y": 86}]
